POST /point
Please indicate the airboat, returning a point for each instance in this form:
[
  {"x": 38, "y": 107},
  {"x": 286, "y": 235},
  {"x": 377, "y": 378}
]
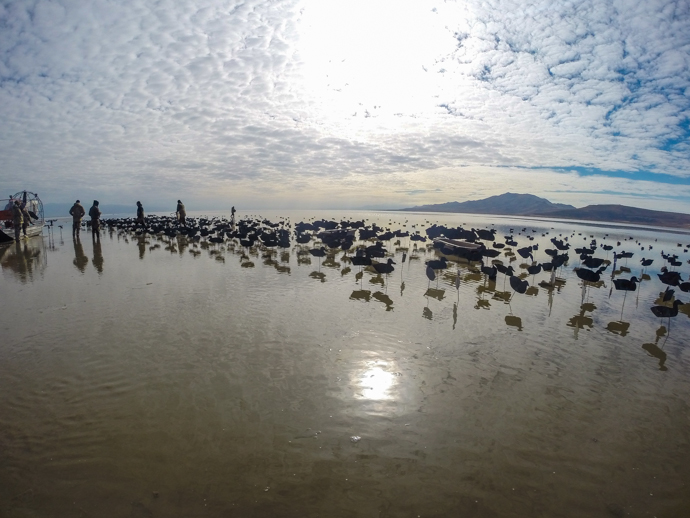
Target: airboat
[{"x": 33, "y": 205}]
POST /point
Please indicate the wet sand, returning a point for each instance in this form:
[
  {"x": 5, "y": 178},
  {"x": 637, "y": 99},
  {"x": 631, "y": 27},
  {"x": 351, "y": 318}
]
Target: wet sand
[{"x": 154, "y": 377}]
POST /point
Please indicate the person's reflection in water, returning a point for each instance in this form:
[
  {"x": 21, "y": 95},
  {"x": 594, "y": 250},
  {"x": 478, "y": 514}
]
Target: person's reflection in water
[
  {"x": 98, "y": 256},
  {"x": 19, "y": 262},
  {"x": 80, "y": 259},
  {"x": 141, "y": 243},
  {"x": 455, "y": 314},
  {"x": 182, "y": 244}
]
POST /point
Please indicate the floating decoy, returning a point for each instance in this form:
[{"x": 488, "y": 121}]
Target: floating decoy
[
  {"x": 525, "y": 252},
  {"x": 505, "y": 270},
  {"x": 626, "y": 284},
  {"x": 518, "y": 285},
  {"x": 593, "y": 262},
  {"x": 665, "y": 311},
  {"x": 384, "y": 267},
  {"x": 589, "y": 275},
  {"x": 670, "y": 278},
  {"x": 438, "y": 264},
  {"x": 360, "y": 260},
  {"x": 534, "y": 269},
  {"x": 489, "y": 271},
  {"x": 668, "y": 294},
  {"x": 646, "y": 262}
]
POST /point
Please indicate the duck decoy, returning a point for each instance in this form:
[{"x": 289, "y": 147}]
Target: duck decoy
[
  {"x": 670, "y": 278},
  {"x": 384, "y": 267},
  {"x": 665, "y": 311},
  {"x": 668, "y": 294},
  {"x": 489, "y": 271},
  {"x": 534, "y": 269},
  {"x": 626, "y": 284},
  {"x": 518, "y": 285},
  {"x": 589, "y": 275},
  {"x": 440, "y": 264}
]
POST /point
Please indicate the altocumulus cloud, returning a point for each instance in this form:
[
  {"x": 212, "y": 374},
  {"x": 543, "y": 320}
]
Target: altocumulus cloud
[{"x": 345, "y": 103}]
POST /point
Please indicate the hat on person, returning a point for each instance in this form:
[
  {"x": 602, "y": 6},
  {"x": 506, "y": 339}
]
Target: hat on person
[{"x": 95, "y": 202}]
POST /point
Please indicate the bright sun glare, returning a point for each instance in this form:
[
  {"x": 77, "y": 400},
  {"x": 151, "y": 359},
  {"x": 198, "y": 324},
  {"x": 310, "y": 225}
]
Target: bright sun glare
[
  {"x": 375, "y": 382},
  {"x": 366, "y": 58}
]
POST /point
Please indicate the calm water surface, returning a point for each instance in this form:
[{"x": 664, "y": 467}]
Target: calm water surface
[{"x": 154, "y": 377}]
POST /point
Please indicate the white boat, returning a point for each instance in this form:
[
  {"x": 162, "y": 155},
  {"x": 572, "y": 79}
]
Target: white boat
[{"x": 34, "y": 206}]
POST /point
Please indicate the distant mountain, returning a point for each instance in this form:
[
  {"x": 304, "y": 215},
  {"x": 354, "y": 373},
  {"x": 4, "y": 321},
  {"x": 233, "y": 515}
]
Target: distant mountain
[
  {"x": 510, "y": 204},
  {"x": 625, "y": 214}
]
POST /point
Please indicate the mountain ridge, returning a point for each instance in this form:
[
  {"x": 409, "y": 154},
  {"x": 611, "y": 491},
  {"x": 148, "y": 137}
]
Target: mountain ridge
[{"x": 511, "y": 204}]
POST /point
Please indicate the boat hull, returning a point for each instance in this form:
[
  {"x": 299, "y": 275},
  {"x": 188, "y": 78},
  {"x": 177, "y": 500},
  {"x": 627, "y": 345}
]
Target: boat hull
[
  {"x": 7, "y": 234},
  {"x": 458, "y": 248}
]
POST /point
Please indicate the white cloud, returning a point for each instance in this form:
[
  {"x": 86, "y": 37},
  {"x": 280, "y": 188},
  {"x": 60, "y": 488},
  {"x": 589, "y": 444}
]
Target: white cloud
[{"x": 247, "y": 98}]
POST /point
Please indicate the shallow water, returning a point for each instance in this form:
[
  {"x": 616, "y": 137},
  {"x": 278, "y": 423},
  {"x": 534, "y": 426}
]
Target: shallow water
[{"x": 153, "y": 377}]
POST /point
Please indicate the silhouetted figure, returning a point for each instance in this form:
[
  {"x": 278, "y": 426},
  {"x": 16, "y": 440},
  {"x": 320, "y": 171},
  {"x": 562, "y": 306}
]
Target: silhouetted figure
[
  {"x": 17, "y": 219},
  {"x": 77, "y": 212},
  {"x": 26, "y": 218},
  {"x": 95, "y": 215},
  {"x": 181, "y": 214},
  {"x": 141, "y": 217}
]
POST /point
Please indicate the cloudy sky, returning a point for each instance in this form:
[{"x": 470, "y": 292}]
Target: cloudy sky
[{"x": 352, "y": 103}]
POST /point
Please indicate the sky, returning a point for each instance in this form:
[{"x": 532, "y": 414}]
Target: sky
[{"x": 346, "y": 104}]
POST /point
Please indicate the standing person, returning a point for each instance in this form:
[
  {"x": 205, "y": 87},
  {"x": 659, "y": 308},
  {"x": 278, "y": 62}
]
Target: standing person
[
  {"x": 10, "y": 204},
  {"x": 26, "y": 218},
  {"x": 95, "y": 214},
  {"x": 17, "y": 219},
  {"x": 141, "y": 220},
  {"x": 181, "y": 214},
  {"x": 77, "y": 212},
  {"x": 232, "y": 214}
]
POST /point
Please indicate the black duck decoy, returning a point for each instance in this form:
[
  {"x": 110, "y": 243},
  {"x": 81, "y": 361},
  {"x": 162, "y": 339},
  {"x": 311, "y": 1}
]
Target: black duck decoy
[
  {"x": 626, "y": 284},
  {"x": 384, "y": 267},
  {"x": 665, "y": 311}
]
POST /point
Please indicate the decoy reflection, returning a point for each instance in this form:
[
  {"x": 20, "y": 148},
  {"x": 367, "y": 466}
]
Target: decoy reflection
[
  {"x": 656, "y": 352},
  {"x": 364, "y": 295},
  {"x": 618, "y": 327},
  {"x": 382, "y": 297},
  {"x": 513, "y": 321},
  {"x": 435, "y": 293},
  {"x": 581, "y": 321},
  {"x": 318, "y": 276}
]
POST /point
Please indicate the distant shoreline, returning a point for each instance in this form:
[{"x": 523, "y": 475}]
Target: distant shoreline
[{"x": 545, "y": 218}]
